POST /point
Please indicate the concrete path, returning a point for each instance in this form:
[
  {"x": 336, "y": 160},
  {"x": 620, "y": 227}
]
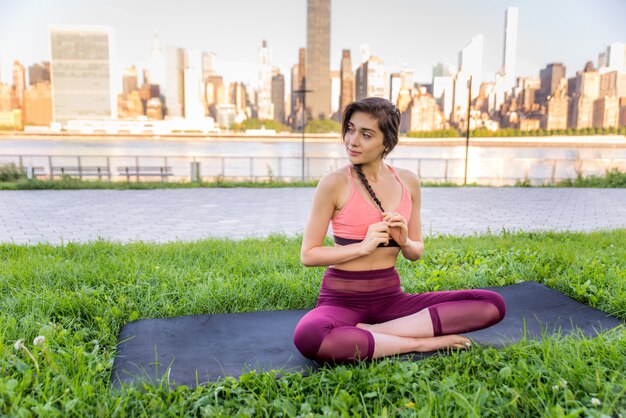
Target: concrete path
[{"x": 30, "y": 217}]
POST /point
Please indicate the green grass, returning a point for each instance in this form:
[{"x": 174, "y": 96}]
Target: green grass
[
  {"x": 71, "y": 183},
  {"x": 13, "y": 179},
  {"x": 79, "y": 296}
]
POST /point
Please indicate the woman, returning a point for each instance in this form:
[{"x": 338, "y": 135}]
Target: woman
[{"x": 374, "y": 209}]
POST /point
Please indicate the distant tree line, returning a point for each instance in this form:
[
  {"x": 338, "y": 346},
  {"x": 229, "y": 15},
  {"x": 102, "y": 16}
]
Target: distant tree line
[{"x": 512, "y": 132}]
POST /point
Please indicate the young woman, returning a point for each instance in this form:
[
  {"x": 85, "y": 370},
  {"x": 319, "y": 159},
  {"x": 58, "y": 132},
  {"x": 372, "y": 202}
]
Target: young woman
[{"x": 374, "y": 209}]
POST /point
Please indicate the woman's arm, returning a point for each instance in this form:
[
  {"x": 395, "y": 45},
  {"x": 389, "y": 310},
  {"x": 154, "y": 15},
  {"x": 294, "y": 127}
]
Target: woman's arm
[
  {"x": 409, "y": 237},
  {"x": 325, "y": 201}
]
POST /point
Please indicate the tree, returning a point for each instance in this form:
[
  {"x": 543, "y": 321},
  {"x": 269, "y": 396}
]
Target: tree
[{"x": 322, "y": 126}]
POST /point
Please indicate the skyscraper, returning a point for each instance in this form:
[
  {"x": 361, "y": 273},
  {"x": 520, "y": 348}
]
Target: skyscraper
[
  {"x": 510, "y": 47},
  {"x": 550, "y": 80},
  {"x": 38, "y": 72},
  {"x": 347, "y": 81},
  {"x": 129, "y": 80},
  {"x": 318, "y": 58},
  {"x": 194, "y": 86},
  {"x": 174, "y": 91},
  {"x": 278, "y": 95},
  {"x": 264, "y": 103},
  {"x": 471, "y": 63},
  {"x": 19, "y": 85},
  {"x": 80, "y": 71}
]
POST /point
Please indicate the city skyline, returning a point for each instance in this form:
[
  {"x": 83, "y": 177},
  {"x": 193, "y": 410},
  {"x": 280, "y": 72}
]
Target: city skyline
[{"x": 399, "y": 38}]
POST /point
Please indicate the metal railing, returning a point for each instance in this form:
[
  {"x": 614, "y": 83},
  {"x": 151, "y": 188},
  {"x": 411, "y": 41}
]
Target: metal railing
[{"x": 493, "y": 171}]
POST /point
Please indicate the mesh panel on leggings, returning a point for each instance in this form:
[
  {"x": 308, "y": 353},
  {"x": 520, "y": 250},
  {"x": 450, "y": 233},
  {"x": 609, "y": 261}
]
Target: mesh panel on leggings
[
  {"x": 360, "y": 282},
  {"x": 346, "y": 344},
  {"x": 463, "y": 316}
]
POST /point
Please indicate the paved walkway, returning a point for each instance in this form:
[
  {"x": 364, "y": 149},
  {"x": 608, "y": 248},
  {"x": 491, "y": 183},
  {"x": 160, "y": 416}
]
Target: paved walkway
[{"x": 29, "y": 217}]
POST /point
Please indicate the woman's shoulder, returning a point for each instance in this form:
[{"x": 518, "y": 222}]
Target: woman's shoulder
[
  {"x": 335, "y": 179},
  {"x": 333, "y": 185},
  {"x": 410, "y": 178}
]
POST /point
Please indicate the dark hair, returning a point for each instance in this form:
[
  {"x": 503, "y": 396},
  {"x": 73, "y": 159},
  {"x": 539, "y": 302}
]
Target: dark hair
[
  {"x": 388, "y": 117},
  {"x": 385, "y": 112}
]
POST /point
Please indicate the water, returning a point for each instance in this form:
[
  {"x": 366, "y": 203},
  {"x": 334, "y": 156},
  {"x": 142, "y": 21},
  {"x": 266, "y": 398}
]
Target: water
[{"x": 495, "y": 164}]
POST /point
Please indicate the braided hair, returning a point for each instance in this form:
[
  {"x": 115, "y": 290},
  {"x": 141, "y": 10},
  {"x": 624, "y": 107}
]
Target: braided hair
[{"x": 361, "y": 175}]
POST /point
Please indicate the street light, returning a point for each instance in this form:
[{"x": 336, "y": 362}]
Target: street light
[
  {"x": 469, "y": 104},
  {"x": 303, "y": 91}
]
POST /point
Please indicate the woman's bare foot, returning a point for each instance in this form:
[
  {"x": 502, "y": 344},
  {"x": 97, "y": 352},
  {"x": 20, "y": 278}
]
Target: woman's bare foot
[
  {"x": 427, "y": 343},
  {"x": 443, "y": 342}
]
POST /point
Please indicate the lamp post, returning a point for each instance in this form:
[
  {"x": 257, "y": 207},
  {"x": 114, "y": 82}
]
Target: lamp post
[
  {"x": 467, "y": 134},
  {"x": 303, "y": 91}
]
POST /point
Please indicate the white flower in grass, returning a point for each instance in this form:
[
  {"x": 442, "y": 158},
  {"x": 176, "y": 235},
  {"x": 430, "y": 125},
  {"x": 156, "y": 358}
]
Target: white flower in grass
[
  {"x": 595, "y": 402},
  {"x": 18, "y": 344},
  {"x": 563, "y": 384},
  {"x": 40, "y": 339},
  {"x": 555, "y": 388}
]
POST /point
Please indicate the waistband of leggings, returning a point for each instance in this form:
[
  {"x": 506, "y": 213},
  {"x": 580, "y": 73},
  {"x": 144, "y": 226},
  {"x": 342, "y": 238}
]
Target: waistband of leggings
[{"x": 360, "y": 274}]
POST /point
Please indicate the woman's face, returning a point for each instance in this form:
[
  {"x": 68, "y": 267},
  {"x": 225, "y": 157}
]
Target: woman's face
[{"x": 363, "y": 139}]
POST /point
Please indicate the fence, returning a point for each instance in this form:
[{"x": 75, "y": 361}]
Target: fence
[{"x": 493, "y": 171}]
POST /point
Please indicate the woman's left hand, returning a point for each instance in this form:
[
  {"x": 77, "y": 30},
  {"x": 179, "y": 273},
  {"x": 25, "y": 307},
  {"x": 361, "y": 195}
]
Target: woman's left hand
[{"x": 398, "y": 229}]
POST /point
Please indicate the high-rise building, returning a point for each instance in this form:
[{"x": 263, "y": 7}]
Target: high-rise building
[
  {"x": 264, "y": 98},
  {"x": 174, "y": 88},
  {"x": 616, "y": 57},
  {"x": 443, "y": 87},
  {"x": 278, "y": 95},
  {"x": 510, "y": 47},
  {"x": 335, "y": 94},
  {"x": 215, "y": 94},
  {"x": 301, "y": 68},
  {"x": 550, "y": 77},
  {"x": 622, "y": 111},
  {"x": 557, "y": 108},
  {"x": 471, "y": 63},
  {"x": 208, "y": 65},
  {"x": 80, "y": 71},
  {"x": 157, "y": 65},
  {"x": 318, "y": 59},
  {"x": 470, "y": 68},
  {"x": 371, "y": 79},
  {"x": 129, "y": 80},
  {"x": 586, "y": 91},
  {"x": 395, "y": 85},
  {"x": 237, "y": 96},
  {"x": 194, "y": 87},
  {"x": 347, "y": 81},
  {"x": 297, "y": 83},
  {"x": 38, "y": 72},
  {"x": 38, "y": 104},
  {"x": 6, "y": 101},
  {"x": 606, "y": 112},
  {"x": 422, "y": 114},
  {"x": 19, "y": 85},
  {"x": 364, "y": 52}
]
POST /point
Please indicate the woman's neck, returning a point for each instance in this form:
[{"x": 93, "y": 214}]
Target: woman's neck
[{"x": 373, "y": 171}]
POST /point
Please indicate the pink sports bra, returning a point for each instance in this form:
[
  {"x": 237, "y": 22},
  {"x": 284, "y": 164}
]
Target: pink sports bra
[{"x": 351, "y": 223}]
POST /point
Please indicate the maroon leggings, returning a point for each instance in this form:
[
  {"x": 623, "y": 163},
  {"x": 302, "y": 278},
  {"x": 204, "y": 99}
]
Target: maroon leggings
[{"x": 328, "y": 332}]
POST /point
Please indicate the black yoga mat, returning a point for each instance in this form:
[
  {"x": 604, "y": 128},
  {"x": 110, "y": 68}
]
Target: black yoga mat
[{"x": 191, "y": 350}]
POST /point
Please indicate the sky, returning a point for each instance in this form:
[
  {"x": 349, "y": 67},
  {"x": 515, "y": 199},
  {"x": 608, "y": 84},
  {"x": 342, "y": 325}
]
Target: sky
[{"x": 412, "y": 34}]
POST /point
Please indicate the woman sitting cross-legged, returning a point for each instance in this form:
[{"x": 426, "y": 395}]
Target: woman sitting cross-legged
[{"x": 362, "y": 312}]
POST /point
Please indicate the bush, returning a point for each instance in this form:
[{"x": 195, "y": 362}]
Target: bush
[
  {"x": 443, "y": 133},
  {"x": 254, "y": 123},
  {"x": 11, "y": 173},
  {"x": 323, "y": 126}
]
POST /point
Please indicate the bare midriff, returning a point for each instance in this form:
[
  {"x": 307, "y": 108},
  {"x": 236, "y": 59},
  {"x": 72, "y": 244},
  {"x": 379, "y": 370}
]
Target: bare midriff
[{"x": 381, "y": 258}]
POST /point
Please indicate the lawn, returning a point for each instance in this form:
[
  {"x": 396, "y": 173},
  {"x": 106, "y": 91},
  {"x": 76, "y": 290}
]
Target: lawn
[{"x": 78, "y": 296}]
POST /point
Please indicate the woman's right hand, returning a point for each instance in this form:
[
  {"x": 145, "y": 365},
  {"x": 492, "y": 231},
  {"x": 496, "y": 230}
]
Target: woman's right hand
[{"x": 377, "y": 233}]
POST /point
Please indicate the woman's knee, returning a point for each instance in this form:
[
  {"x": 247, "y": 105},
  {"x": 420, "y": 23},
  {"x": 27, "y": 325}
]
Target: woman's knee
[
  {"x": 496, "y": 300},
  {"x": 308, "y": 336}
]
